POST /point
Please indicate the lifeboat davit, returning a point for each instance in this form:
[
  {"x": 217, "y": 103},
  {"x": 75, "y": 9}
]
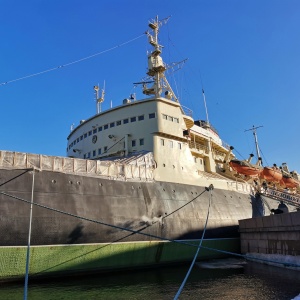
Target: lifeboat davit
[
  {"x": 272, "y": 174},
  {"x": 245, "y": 168},
  {"x": 289, "y": 182}
]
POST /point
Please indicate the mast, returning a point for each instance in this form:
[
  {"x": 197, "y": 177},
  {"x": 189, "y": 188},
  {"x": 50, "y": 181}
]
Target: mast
[
  {"x": 101, "y": 99},
  {"x": 156, "y": 66},
  {"x": 204, "y": 99},
  {"x": 253, "y": 129}
]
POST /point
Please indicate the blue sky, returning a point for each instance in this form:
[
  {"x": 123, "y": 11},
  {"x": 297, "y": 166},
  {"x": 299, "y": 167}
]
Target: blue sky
[{"x": 245, "y": 54}]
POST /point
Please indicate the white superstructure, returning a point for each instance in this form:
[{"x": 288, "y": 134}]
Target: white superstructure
[{"x": 182, "y": 148}]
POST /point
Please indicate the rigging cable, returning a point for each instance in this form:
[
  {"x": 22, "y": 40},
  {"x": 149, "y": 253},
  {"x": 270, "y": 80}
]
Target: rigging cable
[
  {"x": 210, "y": 188},
  {"x": 73, "y": 62}
]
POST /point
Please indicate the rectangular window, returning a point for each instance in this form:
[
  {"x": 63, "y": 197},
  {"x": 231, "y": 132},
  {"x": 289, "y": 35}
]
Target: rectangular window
[
  {"x": 77, "y": 140},
  {"x": 133, "y": 143},
  {"x": 105, "y": 126},
  {"x": 118, "y": 123},
  {"x": 85, "y": 135},
  {"x": 141, "y": 118},
  {"x": 162, "y": 142},
  {"x": 170, "y": 118},
  {"x": 99, "y": 151},
  {"x": 165, "y": 117},
  {"x": 94, "y": 152},
  {"x": 90, "y": 132},
  {"x": 176, "y": 120},
  {"x": 95, "y": 130},
  {"x": 89, "y": 155},
  {"x": 105, "y": 149},
  {"x": 141, "y": 142},
  {"x": 84, "y": 156},
  {"x": 195, "y": 158},
  {"x": 132, "y": 119},
  {"x": 100, "y": 128},
  {"x": 81, "y": 137},
  {"x": 125, "y": 121},
  {"x": 152, "y": 116},
  {"x": 179, "y": 145},
  {"x": 112, "y": 124},
  {"x": 71, "y": 145},
  {"x": 74, "y": 142},
  {"x": 171, "y": 144}
]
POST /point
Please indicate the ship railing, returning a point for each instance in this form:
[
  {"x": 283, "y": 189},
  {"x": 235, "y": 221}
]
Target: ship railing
[
  {"x": 188, "y": 112},
  {"x": 293, "y": 199},
  {"x": 218, "y": 155},
  {"x": 142, "y": 170},
  {"x": 225, "y": 145},
  {"x": 199, "y": 147}
]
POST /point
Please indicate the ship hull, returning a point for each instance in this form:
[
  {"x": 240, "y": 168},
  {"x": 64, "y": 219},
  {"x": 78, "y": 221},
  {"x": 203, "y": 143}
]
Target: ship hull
[{"x": 87, "y": 223}]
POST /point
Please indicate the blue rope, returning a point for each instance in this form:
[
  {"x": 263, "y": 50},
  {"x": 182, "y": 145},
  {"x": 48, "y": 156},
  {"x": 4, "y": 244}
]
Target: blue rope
[
  {"x": 28, "y": 245},
  {"x": 199, "y": 247}
]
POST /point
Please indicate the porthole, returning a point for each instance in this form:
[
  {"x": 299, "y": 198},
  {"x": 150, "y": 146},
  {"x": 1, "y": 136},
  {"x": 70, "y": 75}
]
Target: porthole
[{"x": 53, "y": 181}]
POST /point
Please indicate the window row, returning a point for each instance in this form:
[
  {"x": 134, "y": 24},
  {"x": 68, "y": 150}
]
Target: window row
[
  {"x": 111, "y": 125},
  {"x": 171, "y": 144},
  {"x": 98, "y": 152},
  {"x": 169, "y": 118}
]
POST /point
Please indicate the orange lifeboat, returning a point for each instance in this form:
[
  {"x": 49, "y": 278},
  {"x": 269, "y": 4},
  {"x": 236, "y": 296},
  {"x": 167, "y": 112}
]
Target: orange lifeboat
[
  {"x": 271, "y": 174},
  {"x": 245, "y": 168},
  {"x": 289, "y": 182}
]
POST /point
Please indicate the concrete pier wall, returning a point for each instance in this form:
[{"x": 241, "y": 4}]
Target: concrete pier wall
[{"x": 274, "y": 234}]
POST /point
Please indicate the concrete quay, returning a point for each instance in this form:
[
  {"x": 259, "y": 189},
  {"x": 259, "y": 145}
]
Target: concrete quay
[{"x": 274, "y": 234}]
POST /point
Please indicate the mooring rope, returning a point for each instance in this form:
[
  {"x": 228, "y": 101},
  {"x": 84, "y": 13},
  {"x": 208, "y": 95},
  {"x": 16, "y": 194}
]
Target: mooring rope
[
  {"x": 210, "y": 188},
  {"x": 98, "y": 222},
  {"x": 29, "y": 238},
  {"x": 247, "y": 257},
  {"x": 11, "y": 179}
]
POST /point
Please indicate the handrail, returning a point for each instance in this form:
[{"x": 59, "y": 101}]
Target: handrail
[
  {"x": 198, "y": 146},
  {"x": 293, "y": 199},
  {"x": 188, "y": 112}
]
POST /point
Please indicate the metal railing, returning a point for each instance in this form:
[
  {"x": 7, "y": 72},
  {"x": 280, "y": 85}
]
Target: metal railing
[
  {"x": 198, "y": 146},
  {"x": 188, "y": 112},
  {"x": 293, "y": 199}
]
